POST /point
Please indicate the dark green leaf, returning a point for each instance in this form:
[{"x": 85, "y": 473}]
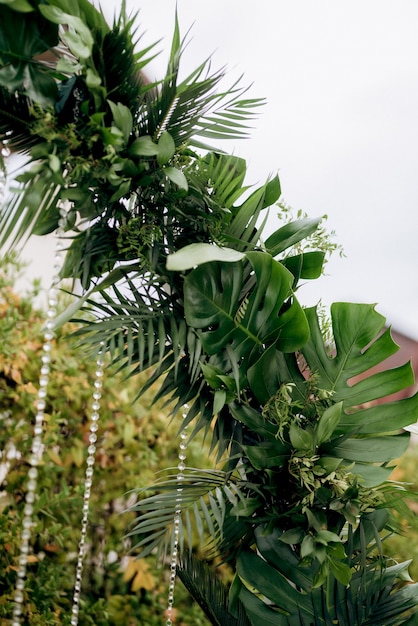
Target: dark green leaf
[
  {"x": 213, "y": 298},
  {"x": 245, "y": 508},
  {"x": 272, "y": 584},
  {"x": 265, "y": 455},
  {"x": 285, "y": 559},
  {"x": 259, "y": 612},
  {"x": 166, "y": 148},
  {"x": 291, "y": 537},
  {"x": 254, "y": 420},
  {"x": 273, "y": 369},
  {"x": 327, "y": 423},
  {"x": 290, "y": 234},
  {"x": 211, "y": 301},
  {"x": 340, "y": 570},
  {"x": 272, "y": 191},
  {"x": 177, "y": 177},
  {"x": 209, "y": 592},
  {"x": 122, "y": 118},
  {"x": 301, "y": 439},
  {"x": 144, "y": 146},
  {"x": 307, "y": 265},
  {"x": 370, "y": 449}
]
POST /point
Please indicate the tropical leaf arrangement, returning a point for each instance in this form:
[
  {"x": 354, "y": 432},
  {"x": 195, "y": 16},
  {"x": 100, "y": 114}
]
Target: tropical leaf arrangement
[{"x": 166, "y": 241}]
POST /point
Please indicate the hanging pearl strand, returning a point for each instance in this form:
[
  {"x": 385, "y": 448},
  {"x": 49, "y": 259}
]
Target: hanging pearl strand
[
  {"x": 5, "y": 153},
  {"x": 91, "y": 450},
  {"x": 177, "y": 521},
  {"x": 37, "y": 445}
]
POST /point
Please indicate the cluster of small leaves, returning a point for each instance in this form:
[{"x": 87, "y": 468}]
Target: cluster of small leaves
[
  {"x": 278, "y": 409},
  {"x": 317, "y": 484},
  {"x": 322, "y": 239},
  {"x": 309, "y": 496}
]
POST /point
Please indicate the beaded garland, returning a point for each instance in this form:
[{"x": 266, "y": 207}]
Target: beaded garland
[
  {"x": 37, "y": 445},
  {"x": 88, "y": 482},
  {"x": 177, "y": 521}
]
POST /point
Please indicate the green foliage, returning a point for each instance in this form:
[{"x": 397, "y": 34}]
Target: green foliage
[
  {"x": 167, "y": 243},
  {"x": 112, "y": 146},
  {"x": 372, "y": 597},
  {"x": 218, "y": 304},
  {"x": 313, "y": 464}
]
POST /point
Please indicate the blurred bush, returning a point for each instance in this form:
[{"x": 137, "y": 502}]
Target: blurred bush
[
  {"x": 135, "y": 441},
  {"x": 404, "y": 546}
]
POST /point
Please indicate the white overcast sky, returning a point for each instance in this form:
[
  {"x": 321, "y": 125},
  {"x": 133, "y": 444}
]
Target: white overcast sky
[{"x": 340, "y": 125}]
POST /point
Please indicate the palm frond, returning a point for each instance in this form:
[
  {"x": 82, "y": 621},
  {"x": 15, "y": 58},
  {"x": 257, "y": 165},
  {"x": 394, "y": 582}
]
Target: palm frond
[
  {"x": 135, "y": 321},
  {"x": 244, "y": 232},
  {"x": 193, "y": 106},
  {"x": 120, "y": 64},
  {"x": 179, "y": 387},
  {"x": 224, "y": 175},
  {"x": 229, "y": 121},
  {"x": 210, "y": 502},
  {"x": 209, "y": 592},
  {"x": 21, "y": 213},
  {"x": 154, "y": 526},
  {"x": 190, "y": 105}
]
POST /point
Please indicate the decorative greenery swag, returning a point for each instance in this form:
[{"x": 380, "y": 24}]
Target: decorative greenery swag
[{"x": 167, "y": 243}]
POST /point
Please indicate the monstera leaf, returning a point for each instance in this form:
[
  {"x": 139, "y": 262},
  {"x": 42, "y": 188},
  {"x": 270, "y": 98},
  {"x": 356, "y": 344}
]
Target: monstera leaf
[
  {"x": 360, "y": 345},
  {"x": 226, "y": 306},
  {"x": 23, "y": 37}
]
